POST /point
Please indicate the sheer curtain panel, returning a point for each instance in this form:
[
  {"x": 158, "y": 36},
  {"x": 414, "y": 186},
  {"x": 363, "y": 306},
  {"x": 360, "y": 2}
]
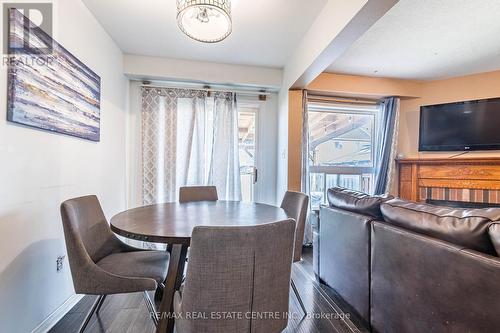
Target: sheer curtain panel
[{"x": 189, "y": 137}]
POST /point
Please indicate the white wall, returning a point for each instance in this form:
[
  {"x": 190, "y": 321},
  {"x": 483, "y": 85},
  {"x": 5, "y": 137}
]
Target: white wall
[
  {"x": 309, "y": 54},
  {"x": 155, "y": 68},
  {"x": 134, "y": 146},
  {"x": 199, "y": 72},
  {"x": 38, "y": 170},
  {"x": 282, "y": 144}
]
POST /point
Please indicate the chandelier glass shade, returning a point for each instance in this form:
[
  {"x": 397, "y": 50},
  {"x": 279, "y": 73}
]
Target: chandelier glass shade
[{"x": 207, "y": 21}]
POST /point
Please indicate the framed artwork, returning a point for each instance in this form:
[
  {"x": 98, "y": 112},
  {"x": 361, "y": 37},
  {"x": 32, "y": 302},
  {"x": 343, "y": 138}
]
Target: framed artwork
[{"x": 54, "y": 91}]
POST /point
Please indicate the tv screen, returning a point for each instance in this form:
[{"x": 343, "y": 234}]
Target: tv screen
[{"x": 471, "y": 125}]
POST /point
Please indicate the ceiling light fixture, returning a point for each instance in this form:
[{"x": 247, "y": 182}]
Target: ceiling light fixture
[{"x": 207, "y": 21}]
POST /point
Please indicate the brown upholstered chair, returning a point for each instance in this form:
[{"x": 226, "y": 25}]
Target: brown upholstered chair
[
  {"x": 100, "y": 263},
  {"x": 295, "y": 205},
  {"x": 198, "y": 193},
  {"x": 194, "y": 194},
  {"x": 237, "y": 270}
]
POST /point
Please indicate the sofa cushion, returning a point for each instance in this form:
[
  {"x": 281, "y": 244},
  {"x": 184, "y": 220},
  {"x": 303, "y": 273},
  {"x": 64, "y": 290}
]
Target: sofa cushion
[
  {"x": 494, "y": 231},
  {"x": 356, "y": 202},
  {"x": 464, "y": 227}
]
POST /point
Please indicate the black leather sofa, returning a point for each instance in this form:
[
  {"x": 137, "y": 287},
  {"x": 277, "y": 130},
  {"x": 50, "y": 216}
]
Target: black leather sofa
[{"x": 407, "y": 267}]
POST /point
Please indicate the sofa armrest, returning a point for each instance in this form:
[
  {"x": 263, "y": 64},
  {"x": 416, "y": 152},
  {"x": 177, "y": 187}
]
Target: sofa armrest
[{"x": 344, "y": 253}]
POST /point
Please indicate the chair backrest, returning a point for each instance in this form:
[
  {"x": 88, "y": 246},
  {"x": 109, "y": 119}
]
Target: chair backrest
[
  {"x": 198, "y": 193},
  {"x": 295, "y": 205},
  {"x": 85, "y": 226},
  {"x": 243, "y": 270}
]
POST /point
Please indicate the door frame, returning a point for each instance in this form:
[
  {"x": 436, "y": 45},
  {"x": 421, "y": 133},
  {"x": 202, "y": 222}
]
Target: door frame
[{"x": 257, "y": 106}]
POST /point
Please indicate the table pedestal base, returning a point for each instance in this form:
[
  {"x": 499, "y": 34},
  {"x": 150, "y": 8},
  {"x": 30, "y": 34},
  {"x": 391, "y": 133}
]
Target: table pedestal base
[{"x": 172, "y": 283}]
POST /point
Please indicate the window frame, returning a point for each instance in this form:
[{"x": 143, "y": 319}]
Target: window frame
[{"x": 348, "y": 108}]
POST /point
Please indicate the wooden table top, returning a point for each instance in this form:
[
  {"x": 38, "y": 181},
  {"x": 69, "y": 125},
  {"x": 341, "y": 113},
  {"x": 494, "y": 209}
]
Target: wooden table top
[{"x": 173, "y": 223}]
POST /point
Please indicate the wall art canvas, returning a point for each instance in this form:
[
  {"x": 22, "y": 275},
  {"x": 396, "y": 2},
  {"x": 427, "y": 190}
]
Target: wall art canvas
[{"x": 54, "y": 92}]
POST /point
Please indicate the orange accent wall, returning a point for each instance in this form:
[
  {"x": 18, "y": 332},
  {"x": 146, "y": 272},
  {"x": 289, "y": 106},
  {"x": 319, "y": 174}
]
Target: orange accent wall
[
  {"x": 363, "y": 86},
  {"x": 413, "y": 94},
  {"x": 478, "y": 86},
  {"x": 339, "y": 85},
  {"x": 294, "y": 139}
]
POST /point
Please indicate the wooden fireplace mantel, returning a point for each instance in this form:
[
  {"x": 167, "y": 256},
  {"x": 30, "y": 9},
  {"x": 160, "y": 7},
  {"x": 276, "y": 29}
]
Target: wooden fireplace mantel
[{"x": 417, "y": 176}]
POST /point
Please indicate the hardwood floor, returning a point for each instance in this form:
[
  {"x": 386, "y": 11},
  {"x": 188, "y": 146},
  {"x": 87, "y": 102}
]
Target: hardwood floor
[{"x": 127, "y": 313}]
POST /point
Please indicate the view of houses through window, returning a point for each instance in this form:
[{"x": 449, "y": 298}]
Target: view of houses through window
[{"x": 342, "y": 144}]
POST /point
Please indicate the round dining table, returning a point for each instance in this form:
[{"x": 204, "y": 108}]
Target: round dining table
[{"x": 173, "y": 223}]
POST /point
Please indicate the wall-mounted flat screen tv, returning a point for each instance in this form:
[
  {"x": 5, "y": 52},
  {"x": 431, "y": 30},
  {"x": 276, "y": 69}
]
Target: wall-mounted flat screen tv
[{"x": 462, "y": 126}]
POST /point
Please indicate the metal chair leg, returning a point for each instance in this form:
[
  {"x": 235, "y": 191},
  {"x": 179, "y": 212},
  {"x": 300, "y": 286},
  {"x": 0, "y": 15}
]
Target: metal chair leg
[
  {"x": 91, "y": 313},
  {"x": 151, "y": 308},
  {"x": 101, "y": 301},
  {"x": 296, "y": 292},
  {"x": 159, "y": 292}
]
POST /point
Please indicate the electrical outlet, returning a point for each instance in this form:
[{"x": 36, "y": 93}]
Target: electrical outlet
[{"x": 59, "y": 263}]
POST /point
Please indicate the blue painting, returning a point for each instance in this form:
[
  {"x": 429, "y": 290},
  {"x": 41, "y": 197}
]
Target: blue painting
[{"x": 54, "y": 92}]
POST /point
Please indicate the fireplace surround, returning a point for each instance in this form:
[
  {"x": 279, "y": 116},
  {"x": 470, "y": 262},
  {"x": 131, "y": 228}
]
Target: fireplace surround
[
  {"x": 462, "y": 204},
  {"x": 469, "y": 180}
]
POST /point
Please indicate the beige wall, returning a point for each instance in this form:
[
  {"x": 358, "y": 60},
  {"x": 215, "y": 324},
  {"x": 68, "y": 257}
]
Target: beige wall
[{"x": 486, "y": 85}]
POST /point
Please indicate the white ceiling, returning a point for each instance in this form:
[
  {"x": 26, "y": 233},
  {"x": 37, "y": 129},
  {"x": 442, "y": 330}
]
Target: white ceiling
[
  {"x": 265, "y": 32},
  {"x": 427, "y": 40}
]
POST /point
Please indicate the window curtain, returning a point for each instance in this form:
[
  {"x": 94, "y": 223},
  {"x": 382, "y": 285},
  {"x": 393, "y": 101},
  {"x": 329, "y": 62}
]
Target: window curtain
[
  {"x": 386, "y": 150},
  {"x": 224, "y": 171},
  {"x": 189, "y": 137},
  {"x": 308, "y": 233}
]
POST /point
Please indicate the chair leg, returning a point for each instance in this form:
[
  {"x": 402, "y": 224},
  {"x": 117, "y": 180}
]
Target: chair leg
[
  {"x": 151, "y": 308},
  {"x": 159, "y": 292},
  {"x": 101, "y": 301},
  {"x": 91, "y": 313},
  {"x": 296, "y": 292}
]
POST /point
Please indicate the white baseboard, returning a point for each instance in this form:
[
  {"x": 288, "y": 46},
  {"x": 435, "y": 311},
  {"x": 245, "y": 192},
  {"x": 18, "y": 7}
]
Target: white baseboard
[{"x": 57, "y": 315}]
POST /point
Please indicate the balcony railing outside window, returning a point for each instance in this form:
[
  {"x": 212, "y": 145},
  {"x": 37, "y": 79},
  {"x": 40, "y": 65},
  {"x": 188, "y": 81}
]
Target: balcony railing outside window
[{"x": 342, "y": 143}]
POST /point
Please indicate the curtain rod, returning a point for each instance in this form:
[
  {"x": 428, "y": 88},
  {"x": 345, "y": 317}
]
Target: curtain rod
[
  {"x": 326, "y": 98},
  {"x": 194, "y": 86},
  {"x": 242, "y": 92}
]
